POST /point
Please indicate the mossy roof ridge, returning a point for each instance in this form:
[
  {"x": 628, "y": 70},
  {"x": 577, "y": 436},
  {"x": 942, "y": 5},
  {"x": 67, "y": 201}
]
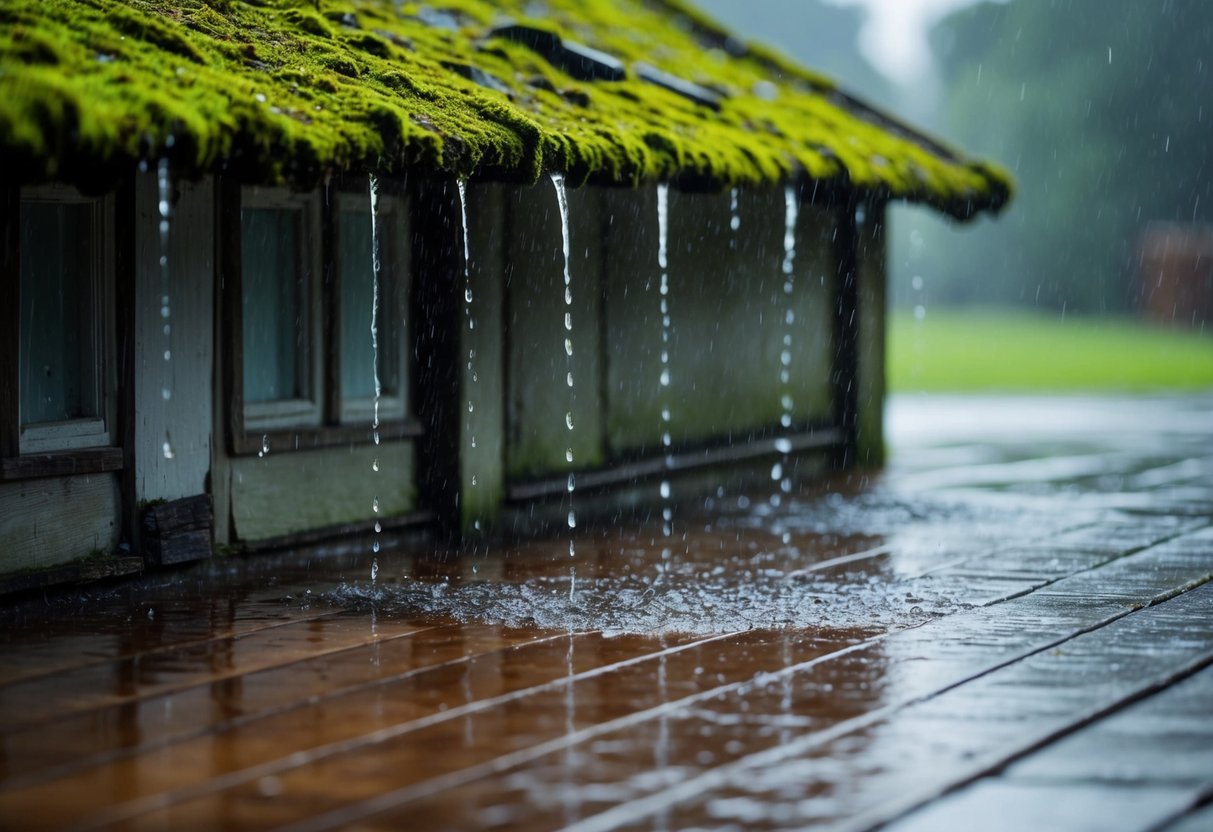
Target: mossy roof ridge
[{"x": 294, "y": 90}]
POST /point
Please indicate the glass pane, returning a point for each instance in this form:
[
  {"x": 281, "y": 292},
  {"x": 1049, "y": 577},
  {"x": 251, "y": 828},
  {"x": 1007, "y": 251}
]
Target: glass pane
[
  {"x": 57, "y": 356},
  {"x": 357, "y": 355},
  {"x": 275, "y": 305}
]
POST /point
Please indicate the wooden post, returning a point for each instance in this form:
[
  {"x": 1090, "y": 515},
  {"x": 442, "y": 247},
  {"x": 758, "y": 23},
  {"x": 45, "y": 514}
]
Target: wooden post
[
  {"x": 844, "y": 372},
  {"x": 126, "y": 260},
  {"x": 437, "y": 327},
  {"x": 10, "y": 320}
]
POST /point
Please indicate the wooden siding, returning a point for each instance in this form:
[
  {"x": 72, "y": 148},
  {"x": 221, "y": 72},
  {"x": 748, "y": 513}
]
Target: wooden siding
[
  {"x": 49, "y": 521},
  {"x": 188, "y": 376},
  {"x": 288, "y": 492}
]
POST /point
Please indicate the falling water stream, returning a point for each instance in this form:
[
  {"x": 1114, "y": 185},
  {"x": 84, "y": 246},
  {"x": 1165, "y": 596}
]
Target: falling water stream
[
  {"x": 376, "y": 265},
  {"x": 562, "y": 200},
  {"x": 667, "y": 511},
  {"x": 470, "y": 325},
  {"x": 781, "y": 470},
  {"x": 164, "y": 209}
]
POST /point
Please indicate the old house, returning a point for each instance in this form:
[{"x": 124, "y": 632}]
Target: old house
[{"x": 192, "y": 267}]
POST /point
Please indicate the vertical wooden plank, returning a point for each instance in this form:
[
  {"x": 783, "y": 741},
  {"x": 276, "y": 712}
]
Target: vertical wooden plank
[
  {"x": 126, "y": 296},
  {"x": 436, "y": 327},
  {"x": 330, "y": 306},
  {"x": 219, "y": 481},
  {"x": 10, "y": 319},
  {"x": 844, "y": 375},
  {"x": 186, "y": 416},
  {"x": 228, "y": 302},
  {"x": 870, "y": 360}
]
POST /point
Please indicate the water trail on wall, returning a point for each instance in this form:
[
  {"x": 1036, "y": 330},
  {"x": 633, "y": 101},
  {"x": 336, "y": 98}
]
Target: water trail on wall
[
  {"x": 376, "y": 265},
  {"x": 667, "y": 511},
  {"x": 781, "y": 470},
  {"x": 469, "y": 318},
  {"x": 562, "y": 200},
  {"x": 164, "y": 210}
]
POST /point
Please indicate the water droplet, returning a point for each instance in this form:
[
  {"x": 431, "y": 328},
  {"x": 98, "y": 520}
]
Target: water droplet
[
  {"x": 665, "y": 414},
  {"x": 569, "y": 379},
  {"x": 375, "y": 464},
  {"x": 568, "y": 347},
  {"x": 168, "y": 355},
  {"x": 375, "y": 505},
  {"x": 166, "y": 393},
  {"x": 776, "y": 471},
  {"x": 378, "y": 527},
  {"x": 568, "y": 321},
  {"x": 665, "y": 378},
  {"x": 665, "y": 490},
  {"x": 168, "y": 450},
  {"x": 568, "y": 420},
  {"x": 467, "y": 294},
  {"x": 568, "y": 455},
  {"x": 375, "y": 565},
  {"x": 572, "y": 519},
  {"x": 572, "y": 484},
  {"x": 375, "y": 548},
  {"x": 786, "y": 420},
  {"x": 783, "y": 445},
  {"x": 265, "y": 445}
]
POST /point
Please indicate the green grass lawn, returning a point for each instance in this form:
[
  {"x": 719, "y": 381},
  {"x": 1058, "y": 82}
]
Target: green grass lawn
[{"x": 992, "y": 350}]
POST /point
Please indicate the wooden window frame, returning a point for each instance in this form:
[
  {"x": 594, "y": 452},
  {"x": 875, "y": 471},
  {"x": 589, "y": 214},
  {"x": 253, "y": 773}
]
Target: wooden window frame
[
  {"x": 72, "y": 447},
  {"x": 274, "y": 432}
]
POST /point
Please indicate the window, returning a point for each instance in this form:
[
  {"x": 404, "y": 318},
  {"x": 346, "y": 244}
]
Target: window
[
  {"x": 64, "y": 244},
  {"x": 362, "y": 358},
  {"x": 279, "y": 265},
  {"x": 299, "y": 325}
]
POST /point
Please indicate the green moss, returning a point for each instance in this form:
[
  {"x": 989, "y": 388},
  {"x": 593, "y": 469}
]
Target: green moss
[{"x": 287, "y": 90}]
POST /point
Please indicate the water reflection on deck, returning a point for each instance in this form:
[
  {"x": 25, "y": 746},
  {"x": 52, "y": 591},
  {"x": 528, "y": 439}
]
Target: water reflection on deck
[{"x": 1010, "y": 627}]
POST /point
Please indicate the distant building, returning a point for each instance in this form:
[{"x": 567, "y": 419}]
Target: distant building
[
  {"x": 1175, "y": 274},
  {"x": 187, "y": 287}
]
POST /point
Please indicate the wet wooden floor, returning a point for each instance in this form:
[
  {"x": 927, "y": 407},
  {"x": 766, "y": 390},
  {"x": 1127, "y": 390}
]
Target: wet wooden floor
[{"x": 1012, "y": 628}]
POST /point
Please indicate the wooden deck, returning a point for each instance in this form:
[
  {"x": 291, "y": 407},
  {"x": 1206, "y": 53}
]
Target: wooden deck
[{"x": 1010, "y": 629}]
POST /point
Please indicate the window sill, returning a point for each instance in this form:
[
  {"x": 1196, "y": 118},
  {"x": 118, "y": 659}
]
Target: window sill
[
  {"x": 285, "y": 440},
  {"x": 61, "y": 464}
]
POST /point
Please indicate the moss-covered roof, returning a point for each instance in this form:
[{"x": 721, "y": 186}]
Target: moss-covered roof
[{"x": 294, "y": 90}]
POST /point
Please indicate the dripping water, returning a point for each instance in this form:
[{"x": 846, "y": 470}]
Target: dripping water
[
  {"x": 470, "y": 327},
  {"x": 734, "y": 210},
  {"x": 562, "y": 201},
  {"x": 667, "y": 512},
  {"x": 376, "y": 265},
  {"x": 781, "y": 470},
  {"x": 164, "y": 209}
]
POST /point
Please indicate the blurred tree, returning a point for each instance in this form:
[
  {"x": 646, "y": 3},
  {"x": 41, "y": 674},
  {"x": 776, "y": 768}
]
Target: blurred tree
[{"x": 1102, "y": 110}]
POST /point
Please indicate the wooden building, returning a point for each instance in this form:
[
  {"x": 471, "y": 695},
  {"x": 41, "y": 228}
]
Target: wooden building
[{"x": 188, "y": 291}]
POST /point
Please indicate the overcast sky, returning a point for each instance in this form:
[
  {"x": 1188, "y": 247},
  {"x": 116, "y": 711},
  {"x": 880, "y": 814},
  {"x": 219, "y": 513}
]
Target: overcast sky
[{"x": 894, "y": 39}]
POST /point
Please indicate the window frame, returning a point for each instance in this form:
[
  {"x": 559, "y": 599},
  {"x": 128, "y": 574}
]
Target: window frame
[
  {"x": 309, "y": 410},
  {"x": 275, "y": 428},
  {"x": 393, "y": 234},
  {"x": 73, "y": 446}
]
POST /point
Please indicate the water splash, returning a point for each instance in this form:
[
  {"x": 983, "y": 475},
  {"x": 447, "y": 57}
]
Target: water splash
[
  {"x": 164, "y": 206},
  {"x": 562, "y": 201},
  {"x": 781, "y": 470},
  {"x": 376, "y": 265},
  {"x": 663, "y": 263}
]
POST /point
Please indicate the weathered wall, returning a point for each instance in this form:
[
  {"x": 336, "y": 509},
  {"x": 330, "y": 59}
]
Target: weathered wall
[
  {"x": 186, "y": 416},
  {"x": 727, "y": 308},
  {"x": 53, "y": 520},
  {"x": 539, "y": 396},
  {"x": 290, "y": 492}
]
